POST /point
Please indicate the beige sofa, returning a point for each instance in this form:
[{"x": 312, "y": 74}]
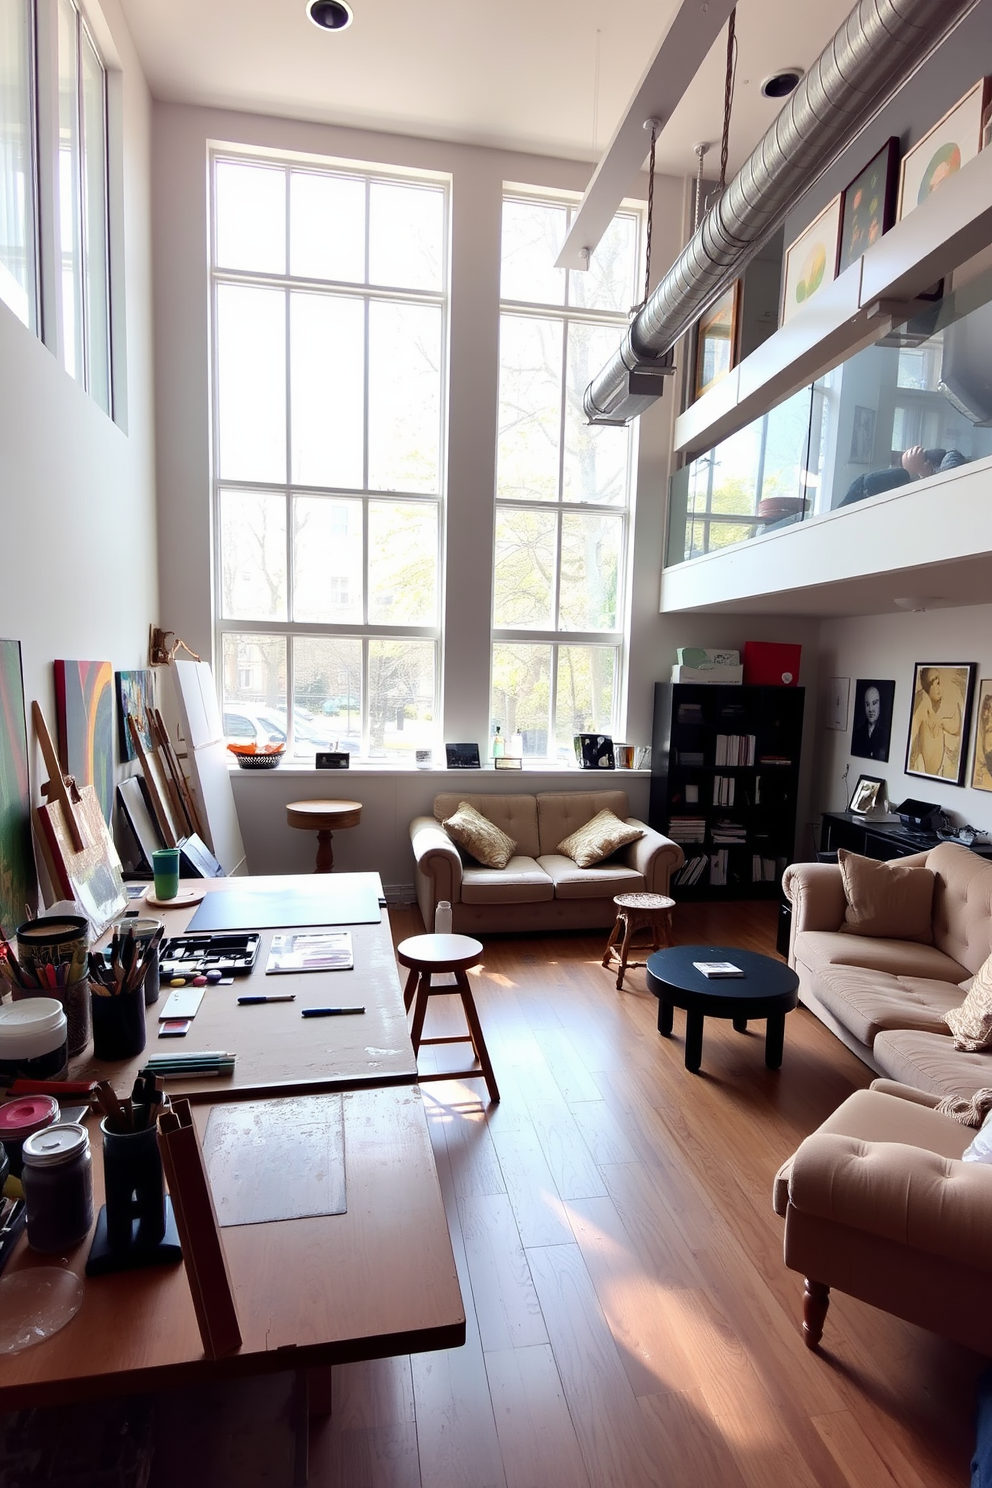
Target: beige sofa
[
  {"x": 885, "y": 999},
  {"x": 878, "y": 1204},
  {"x": 539, "y": 889}
]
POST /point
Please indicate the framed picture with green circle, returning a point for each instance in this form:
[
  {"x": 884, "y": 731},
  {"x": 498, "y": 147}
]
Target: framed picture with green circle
[
  {"x": 811, "y": 261},
  {"x": 944, "y": 149}
]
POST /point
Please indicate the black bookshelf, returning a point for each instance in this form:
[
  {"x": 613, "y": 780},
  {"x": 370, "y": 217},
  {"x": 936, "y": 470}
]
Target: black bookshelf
[{"x": 737, "y": 750}]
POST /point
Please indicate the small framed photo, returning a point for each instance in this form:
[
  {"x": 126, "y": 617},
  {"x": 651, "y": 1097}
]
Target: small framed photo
[
  {"x": 867, "y": 794},
  {"x": 811, "y": 261},
  {"x": 868, "y": 205},
  {"x": 951, "y": 143},
  {"x": 939, "y": 719},
  {"x": 717, "y": 337},
  {"x": 981, "y": 758}
]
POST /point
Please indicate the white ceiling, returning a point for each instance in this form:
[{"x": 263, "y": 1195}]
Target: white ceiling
[{"x": 531, "y": 75}]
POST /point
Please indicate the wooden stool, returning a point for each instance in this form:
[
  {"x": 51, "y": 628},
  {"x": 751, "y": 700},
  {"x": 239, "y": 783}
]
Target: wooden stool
[
  {"x": 324, "y": 817},
  {"x": 638, "y": 912},
  {"x": 426, "y": 955}
]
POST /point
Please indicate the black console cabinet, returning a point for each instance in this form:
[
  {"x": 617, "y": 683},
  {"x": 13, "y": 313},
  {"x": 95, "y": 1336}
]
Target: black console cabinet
[{"x": 883, "y": 840}]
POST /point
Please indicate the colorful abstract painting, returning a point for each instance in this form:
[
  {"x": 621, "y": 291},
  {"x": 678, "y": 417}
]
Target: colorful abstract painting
[
  {"x": 135, "y": 698},
  {"x": 84, "y": 699},
  {"x": 18, "y": 881}
]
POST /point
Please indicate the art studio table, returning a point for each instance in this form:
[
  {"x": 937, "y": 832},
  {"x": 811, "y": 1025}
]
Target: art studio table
[
  {"x": 375, "y": 1281},
  {"x": 278, "y": 1051}
]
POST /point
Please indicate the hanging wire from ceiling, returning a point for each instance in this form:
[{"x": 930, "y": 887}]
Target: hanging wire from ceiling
[
  {"x": 654, "y": 125},
  {"x": 702, "y": 150},
  {"x": 728, "y": 96}
]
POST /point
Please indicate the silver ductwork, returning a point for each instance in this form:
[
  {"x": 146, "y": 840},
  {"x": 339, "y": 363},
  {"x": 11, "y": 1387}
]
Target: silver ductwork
[{"x": 879, "y": 46}]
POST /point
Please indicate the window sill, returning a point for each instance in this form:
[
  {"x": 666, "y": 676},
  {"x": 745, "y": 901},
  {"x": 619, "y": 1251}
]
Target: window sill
[{"x": 388, "y": 767}]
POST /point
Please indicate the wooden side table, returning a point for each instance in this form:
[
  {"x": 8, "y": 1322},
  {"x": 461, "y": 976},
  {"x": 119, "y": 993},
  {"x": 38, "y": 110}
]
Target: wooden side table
[
  {"x": 426, "y": 955},
  {"x": 636, "y": 912},
  {"x": 323, "y": 817}
]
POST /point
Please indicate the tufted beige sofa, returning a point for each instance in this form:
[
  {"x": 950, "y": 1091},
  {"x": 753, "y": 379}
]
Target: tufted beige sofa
[
  {"x": 885, "y": 999},
  {"x": 539, "y": 889}
]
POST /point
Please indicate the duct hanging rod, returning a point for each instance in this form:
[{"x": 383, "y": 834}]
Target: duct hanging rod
[{"x": 878, "y": 47}]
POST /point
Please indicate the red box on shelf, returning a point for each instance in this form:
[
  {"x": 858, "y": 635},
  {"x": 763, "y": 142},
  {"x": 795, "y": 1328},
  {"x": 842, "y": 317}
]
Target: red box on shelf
[{"x": 770, "y": 664}]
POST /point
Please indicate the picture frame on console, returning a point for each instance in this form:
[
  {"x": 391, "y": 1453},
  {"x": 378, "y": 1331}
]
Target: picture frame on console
[
  {"x": 939, "y": 718},
  {"x": 868, "y": 794}
]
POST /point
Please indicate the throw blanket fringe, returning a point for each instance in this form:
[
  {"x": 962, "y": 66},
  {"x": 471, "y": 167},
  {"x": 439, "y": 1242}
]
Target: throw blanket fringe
[{"x": 969, "y": 1112}]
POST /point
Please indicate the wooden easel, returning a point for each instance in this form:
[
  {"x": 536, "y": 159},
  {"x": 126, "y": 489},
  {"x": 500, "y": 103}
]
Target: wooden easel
[{"x": 59, "y": 787}]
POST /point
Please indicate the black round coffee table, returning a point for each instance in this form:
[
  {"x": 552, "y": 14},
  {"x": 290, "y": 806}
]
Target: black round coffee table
[{"x": 768, "y": 989}]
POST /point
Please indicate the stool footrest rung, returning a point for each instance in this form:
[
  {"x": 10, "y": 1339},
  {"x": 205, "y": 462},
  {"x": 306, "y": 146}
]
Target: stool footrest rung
[{"x": 455, "y": 1038}]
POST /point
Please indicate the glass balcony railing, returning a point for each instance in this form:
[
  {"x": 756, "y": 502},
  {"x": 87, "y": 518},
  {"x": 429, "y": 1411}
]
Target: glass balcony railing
[{"x": 917, "y": 402}]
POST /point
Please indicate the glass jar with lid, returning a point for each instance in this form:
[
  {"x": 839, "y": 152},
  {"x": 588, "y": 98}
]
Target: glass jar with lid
[{"x": 58, "y": 1187}]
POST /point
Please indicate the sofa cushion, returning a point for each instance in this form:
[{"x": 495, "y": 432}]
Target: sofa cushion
[
  {"x": 600, "y": 838},
  {"x": 931, "y": 1062},
  {"x": 487, "y": 843},
  {"x": 865, "y": 1002},
  {"x": 971, "y": 1023},
  {"x": 516, "y": 815},
  {"x": 522, "y": 881},
  {"x": 819, "y": 948},
  {"x": 962, "y": 903},
  {"x": 600, "y": 882},
  {"x": 559, "y": 813},
  {"x": 887, "y": 900}
]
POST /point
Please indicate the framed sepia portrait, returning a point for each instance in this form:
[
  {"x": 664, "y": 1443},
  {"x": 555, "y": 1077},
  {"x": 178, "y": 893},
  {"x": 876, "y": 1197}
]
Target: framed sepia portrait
[
  {"x": 944, "y": 149},
  {"x": 867, "y": 795},
  {"x": 811, "y": 261},
  {"x": 872, "y": 724},
  {"x": 717, "y": 339},
  {"x": 939, "y": 719},
  {"x": 868, "y": 206},
  {"x": 981, "y": 758}
]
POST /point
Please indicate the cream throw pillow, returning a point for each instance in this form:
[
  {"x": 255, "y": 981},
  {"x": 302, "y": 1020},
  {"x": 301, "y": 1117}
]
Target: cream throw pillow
[
  {"x": 479, "y": 836},
  {"x": 971, "y": 1023},
  {"x": 890, "y": 901},
  {"x": 600, "y": 837}
]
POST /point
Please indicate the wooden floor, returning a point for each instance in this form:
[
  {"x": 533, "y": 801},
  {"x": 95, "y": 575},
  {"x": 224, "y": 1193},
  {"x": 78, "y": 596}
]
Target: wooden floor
[{"x": 630, "y": 1320}]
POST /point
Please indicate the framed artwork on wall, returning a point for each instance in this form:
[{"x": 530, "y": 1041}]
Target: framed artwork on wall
[
  {"x": 872, "y": 718},
  {"x": 944, "y": 149},
  {"x": 981, "y": 758},
  {"x": 939, "y": 719},
  {"x": 84, "y": 703},
  {"x": 717, "y": 336},
  {"x": 811, "y": 261},
  {"x": 868, "y": 205}
]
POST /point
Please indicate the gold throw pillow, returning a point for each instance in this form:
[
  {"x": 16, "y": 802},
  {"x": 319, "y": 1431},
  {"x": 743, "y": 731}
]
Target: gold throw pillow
[
  {"x": 479, "y": 836},
  {"x": 971, "y": 1023},
  {"x": 598, "y": 839},
  {"x": 890, "y": 901}
]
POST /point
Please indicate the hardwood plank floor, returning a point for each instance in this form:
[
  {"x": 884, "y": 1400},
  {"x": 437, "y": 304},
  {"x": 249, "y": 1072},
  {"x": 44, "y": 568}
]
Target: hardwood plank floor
[{"x": 631, "y": 1321}]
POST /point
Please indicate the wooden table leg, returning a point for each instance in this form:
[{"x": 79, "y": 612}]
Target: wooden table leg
[
  {"x": 420, "y": 1008},
  {"x": 774, "y": 1040},
  {"x": 408, "y": 990},
  {"x": 325, "y": 852},
  {"x": 478, "y": 1040},
  {"x": 693, "y": 1041}
]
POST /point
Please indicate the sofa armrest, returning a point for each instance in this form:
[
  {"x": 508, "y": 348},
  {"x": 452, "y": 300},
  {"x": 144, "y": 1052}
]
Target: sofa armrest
[
  {"x": 903, "y": 1194},
  {"x": 654, "y": 856},
  {"x": 816, "y": 893},
  {"x": 906, "y": 1092},
  {"x": 437, "y": 857}
]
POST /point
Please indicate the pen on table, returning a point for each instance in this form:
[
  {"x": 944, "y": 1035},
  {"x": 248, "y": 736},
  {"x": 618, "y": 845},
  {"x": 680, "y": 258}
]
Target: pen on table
[
  {"x": 281, "y": 997},
  {"x": 329, "y": 1012}
]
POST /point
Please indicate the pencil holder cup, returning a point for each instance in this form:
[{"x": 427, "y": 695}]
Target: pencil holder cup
[
  {"x": 135, "y": 1187},
  {"x": 118, "y": 1024}
]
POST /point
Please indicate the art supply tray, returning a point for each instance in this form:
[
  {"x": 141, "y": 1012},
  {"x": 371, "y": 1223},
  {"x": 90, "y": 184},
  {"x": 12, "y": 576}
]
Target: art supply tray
[{"x": 189, "y": 955}]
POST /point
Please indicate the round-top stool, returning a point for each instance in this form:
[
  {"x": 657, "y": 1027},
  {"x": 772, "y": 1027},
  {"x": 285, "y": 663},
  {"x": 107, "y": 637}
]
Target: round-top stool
[
  {"x": 425, "y": 956},
  {"x": 638, "y": 912},
  {"x": 323, "y": 817}
]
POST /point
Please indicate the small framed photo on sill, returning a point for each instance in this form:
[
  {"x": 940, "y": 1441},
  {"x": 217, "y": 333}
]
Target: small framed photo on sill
[{"x": 868, "y": 794}]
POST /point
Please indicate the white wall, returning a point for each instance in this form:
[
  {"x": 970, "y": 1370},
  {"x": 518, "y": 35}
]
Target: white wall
[
  {"x": 888, "y": 646},
  {"x": 79, "y": 558}
]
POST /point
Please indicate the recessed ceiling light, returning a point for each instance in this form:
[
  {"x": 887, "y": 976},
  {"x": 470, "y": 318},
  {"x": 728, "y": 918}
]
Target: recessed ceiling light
[
  {"x": 330, "y": 15},
  {"x": 781, "y": 83}
]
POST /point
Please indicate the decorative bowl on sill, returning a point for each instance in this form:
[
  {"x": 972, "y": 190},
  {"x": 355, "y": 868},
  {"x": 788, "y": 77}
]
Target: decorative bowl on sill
[
  {"x": 782, "y": 506},
  {"x": 250, "y": 757}
]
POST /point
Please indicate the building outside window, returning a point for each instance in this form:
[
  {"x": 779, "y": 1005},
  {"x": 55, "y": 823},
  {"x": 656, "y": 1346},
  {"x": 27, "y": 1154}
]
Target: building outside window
[
  {"x": 329, "y": 375},
  {"x": 563, "y": 489}
]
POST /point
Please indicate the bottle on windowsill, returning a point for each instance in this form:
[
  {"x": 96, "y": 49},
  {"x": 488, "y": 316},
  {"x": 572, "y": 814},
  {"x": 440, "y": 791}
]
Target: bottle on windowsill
[{"x": 498, "y": 744}]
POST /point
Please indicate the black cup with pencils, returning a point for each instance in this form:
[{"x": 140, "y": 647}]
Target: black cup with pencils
[{"x": 117, "y": 984}]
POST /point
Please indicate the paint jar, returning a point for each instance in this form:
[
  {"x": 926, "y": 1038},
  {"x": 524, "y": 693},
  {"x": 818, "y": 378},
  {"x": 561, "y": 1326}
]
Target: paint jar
[
  {"x": 34, "y": 1040},
  {"x": 53, "y": 949},
  {"x": 58, "y": 1187},
  {"x": 20, "y": 1119}
]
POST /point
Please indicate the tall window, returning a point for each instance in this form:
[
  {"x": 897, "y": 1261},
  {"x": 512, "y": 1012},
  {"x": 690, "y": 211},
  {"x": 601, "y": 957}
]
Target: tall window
[
  {"x": 330, "y": 314},
  {"x": 81, "y": 204},
  {"x": 18, "y": 207},
  {"x": 563, "y": 489}
]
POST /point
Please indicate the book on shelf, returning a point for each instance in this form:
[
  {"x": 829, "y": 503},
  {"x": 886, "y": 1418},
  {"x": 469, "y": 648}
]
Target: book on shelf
[
  {"x": 734, "y": 749},
  {"x": 717, "y": 969},
  {"x": 728, "y": 831},
  {"x": 723, "y": 790},
  {"x": 691, "y": 757},
  {"x": 718, "y": 868},
  {"x": 689, "y": 713},
  {"x": 692, "y": 870},
  {"x": 687, "y": 828},
  {"x": 763, "y": 870},
  {"x": 773, "y": 759}
]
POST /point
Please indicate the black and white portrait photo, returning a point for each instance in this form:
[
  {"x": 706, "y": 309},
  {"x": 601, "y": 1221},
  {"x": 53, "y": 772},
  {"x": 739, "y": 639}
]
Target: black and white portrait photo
[{"x": 872, "y": 719}]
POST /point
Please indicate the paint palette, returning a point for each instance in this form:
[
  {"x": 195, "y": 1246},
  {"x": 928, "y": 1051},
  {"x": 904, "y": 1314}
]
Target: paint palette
[{"x": 191, "y": 955}]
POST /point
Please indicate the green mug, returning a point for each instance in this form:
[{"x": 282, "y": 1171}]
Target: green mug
[{"x": 165, "y": 869}]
